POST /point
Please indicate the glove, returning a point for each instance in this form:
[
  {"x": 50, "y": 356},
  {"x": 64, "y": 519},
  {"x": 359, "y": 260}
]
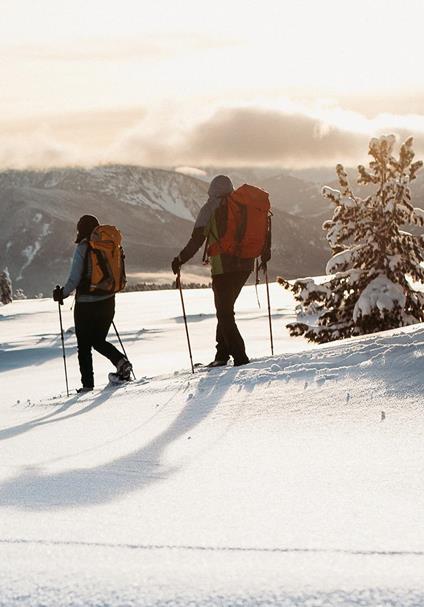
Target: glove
[
  {"x": 265, "y": 257},
  {"x": 58, "y": 294},
  {"x": 176, "y": 265}
]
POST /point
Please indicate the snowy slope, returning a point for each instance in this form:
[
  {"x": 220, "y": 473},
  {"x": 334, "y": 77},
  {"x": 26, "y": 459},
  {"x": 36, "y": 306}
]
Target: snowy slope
[
  {"x": 153, "y": 208},
  {"x": 296, "y": 480},
  {"x": 157, "y": 189}
]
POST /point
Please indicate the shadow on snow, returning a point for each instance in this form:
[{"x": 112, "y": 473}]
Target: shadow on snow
[{"x": 36, "y": 490}]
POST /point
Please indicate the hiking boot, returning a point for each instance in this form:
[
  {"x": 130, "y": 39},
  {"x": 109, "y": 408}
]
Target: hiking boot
[
  {"x": 217, "y": 363},
  {"x": 241, "y": 361},
  {"x": 123, "y": 369},
  {"x": 84, "y": 389}
]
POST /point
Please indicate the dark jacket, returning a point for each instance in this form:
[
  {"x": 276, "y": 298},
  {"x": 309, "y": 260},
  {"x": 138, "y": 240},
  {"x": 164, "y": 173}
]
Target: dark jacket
[{"x": 211, "y": 224}]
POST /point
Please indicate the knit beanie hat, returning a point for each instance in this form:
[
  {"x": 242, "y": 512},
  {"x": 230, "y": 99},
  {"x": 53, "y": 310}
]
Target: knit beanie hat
[
  {"x": 85, "y": 226},
  {"x": 221, "y": 185}
]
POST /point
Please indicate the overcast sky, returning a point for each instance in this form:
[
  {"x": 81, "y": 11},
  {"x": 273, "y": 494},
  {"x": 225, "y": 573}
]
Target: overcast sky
[{"x": 288, "y": 83}]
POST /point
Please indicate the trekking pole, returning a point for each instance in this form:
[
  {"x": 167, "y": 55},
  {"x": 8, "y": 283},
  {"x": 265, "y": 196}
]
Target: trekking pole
[
  {"x": 178, "y": 285},
  {"x": 269, "y": 311},
  {"x": 256, "y": 284},
  {"x": 63, "y": 347},
  {"x": 122, "y": 345}
]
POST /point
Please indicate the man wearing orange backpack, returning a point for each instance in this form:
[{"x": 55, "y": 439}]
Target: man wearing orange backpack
[
  {"x": 236, "y": 227},
  {"x": 97, "y": 273}
]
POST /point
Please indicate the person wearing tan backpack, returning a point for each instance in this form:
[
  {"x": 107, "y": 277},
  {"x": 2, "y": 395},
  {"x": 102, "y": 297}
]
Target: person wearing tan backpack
[{"x": 97, "y": 273}]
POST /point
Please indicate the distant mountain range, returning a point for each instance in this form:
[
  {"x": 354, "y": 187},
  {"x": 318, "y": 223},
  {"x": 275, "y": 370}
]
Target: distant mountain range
[{"x": 155, "y": 210}]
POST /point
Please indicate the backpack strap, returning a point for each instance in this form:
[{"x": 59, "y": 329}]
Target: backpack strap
[
  {"x": 83, "y": 287},
  {"x": 102, "y": 264},
  {"x": 220, "y": 208}
]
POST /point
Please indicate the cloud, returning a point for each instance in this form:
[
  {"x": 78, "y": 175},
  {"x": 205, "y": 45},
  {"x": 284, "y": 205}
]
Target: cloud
[
  {"x": 257, "y": 136},
  {"x": 246, "y": 136},
  {"x": 80, "y": 138},
  {"x": 37, "y": 150},
  {"x": 230, "y": 136},
  {"x": 254, "y": 136},
  {"x": 373, "y": 106}
]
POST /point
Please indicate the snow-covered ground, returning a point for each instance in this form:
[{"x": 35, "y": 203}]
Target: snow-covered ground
[{"x": 296, "y": 480}]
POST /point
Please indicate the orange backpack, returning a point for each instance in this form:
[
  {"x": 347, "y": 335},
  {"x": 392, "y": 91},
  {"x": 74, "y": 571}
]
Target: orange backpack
[
  {"x": 106, "y": 261},
  {"x": 248, "y": 212}
]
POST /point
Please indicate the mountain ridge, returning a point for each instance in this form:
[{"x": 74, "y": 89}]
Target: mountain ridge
[{"x": 154, "y": 209}]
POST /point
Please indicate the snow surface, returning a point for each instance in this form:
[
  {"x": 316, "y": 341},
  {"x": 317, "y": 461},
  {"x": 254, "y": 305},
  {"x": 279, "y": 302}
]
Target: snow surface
[{"x": 295, "y": 480}]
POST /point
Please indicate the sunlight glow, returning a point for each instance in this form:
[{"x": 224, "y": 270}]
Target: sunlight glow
[{"x": 180, "y": 63}]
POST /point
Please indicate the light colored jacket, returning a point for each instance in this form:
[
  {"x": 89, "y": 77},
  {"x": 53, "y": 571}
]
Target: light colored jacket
[{"x": 76, "y": 275}]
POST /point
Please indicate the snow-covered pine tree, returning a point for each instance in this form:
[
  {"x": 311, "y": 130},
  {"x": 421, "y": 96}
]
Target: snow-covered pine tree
[
  {"x": 19, "y": 294},
  {"x": 5, "y": 287},
  {"x": 372, "y": 277}
]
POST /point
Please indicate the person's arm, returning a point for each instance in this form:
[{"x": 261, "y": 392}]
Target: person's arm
[
  {"x": 197, "y": 239},
  {"x": 77, "y": 270}
]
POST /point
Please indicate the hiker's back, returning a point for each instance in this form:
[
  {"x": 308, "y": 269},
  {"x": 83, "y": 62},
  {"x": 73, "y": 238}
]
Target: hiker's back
[
  {"x": 238, "y": 231},
  {"x": 105, "y": 265}
]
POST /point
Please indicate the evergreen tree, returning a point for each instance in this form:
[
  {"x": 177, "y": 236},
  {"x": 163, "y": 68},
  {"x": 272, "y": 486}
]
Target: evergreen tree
[
  {"x": 372, "y": 277},
  {"x": 19, "y": 294},
  {"x": 5, "y": 287}
]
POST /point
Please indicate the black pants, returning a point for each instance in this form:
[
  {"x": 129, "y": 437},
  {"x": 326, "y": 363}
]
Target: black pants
[
  {"x": 229, "y": 342},
  {"x": 92, "y": 323}
]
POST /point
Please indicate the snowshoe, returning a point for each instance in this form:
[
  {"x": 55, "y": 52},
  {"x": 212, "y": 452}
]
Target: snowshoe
[
  {"x": 124, "y": 369},
  {"x": 117, "y": 380},
  {"x": 83, "y": 390},
  {"x": 217, "y": 363}
]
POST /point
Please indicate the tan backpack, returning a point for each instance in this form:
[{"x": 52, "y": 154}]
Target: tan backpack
[{"x": 106, "y": 261}]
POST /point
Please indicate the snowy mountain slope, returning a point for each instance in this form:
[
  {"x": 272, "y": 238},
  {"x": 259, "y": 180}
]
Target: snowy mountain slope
[
  {"x": 153, "y": 208},
  {"x": 298, "y": 197},
  {"x": 293, "y": 194},
  {"x": 158, "y": 189},
  {"x": 295, "y": 480},
  {"x": 39, "y": 210}
]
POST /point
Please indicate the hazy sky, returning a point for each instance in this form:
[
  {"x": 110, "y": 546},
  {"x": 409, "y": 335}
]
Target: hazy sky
[{"x": 289, "y": 83}]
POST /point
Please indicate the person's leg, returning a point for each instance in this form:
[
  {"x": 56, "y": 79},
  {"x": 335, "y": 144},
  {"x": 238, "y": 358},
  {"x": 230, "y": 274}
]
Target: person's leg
[
  {"x": 82, "y": 331},
  {"x": 238, "y": 350},
  {"x": 226, "y": 290},
  {"x": 103, "y": 313},
  {"x": 218, "y": 287}
]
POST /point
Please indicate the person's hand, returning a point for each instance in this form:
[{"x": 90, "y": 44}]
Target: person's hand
[
  {"x": 265, "y": 257},
  {"x": 176, "y": 265},
  {"x": 58, "y": 294}
]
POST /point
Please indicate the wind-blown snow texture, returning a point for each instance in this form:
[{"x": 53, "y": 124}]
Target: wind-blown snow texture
[{"x": 296, "y": 480}]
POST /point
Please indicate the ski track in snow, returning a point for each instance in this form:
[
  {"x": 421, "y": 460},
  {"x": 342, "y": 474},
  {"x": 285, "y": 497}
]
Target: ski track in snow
[{"x": 295, "y": 480}]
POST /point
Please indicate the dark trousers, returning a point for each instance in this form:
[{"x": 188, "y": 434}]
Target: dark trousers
[
  {"x": 92, "y": 323},
  {"x": 229, "y": 342}
]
